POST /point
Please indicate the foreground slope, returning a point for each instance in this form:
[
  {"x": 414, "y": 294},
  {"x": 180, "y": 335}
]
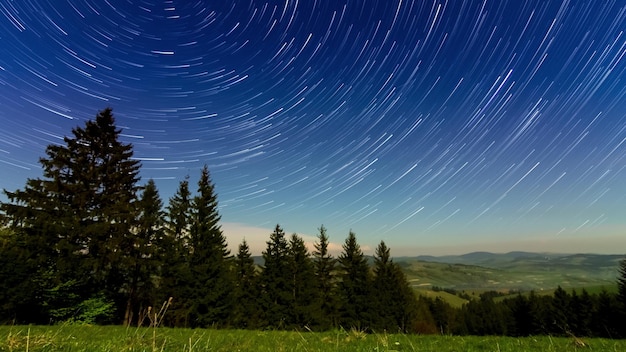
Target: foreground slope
[{"x": 115, "y": 338}]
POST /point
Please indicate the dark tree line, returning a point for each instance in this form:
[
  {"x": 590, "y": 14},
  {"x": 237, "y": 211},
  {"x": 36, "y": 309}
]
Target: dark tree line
[
  {"x": 87, "y": 243},
  {"x": 559, "y": 314}
]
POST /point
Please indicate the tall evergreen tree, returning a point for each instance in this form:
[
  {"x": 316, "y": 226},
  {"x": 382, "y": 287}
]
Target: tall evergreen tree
[
  {"x": 324, "y": 268},
  {"x": 143, "y": 260},
  {"x": 581, "y": 309},
  {"x": 275, "y": 280},
  {"x": 393, "y": 302},
  {"x": 211, "y": 289},
  {"x": 561, "y": 311},
  {"x": 606, "y": 318},
  {"x": 355, "y": 286},
  {"x": 246, "y": 311},
  {"x": 79, "y": 215},
  {"x": 522, "y": 316},
  {"x": 178, "y": 211},
  {"x": 302, "y": 284},
  {"x": 175, "y": 272}
]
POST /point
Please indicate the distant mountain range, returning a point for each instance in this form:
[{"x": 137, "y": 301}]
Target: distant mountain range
[{"x": 514, "y": 259}]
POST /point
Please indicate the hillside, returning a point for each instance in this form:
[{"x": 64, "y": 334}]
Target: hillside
[{"x": 511, "y": 271}]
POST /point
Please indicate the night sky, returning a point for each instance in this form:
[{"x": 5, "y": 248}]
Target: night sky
[{"x": 437, "y": 126}]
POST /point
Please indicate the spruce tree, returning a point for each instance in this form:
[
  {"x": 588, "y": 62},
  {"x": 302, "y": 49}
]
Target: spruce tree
[
  {"x": 355, "y": 286},
  {"x": 581, "y": 308},
  {"x": 302, "y": 284},
  {"x": 211, "y": 286},
  {"x": 78, "y": 216},
  {"x": 393, "y": 301},
  {"x": 324, "y": 269},
  {"x": 144, "y": 259},
  {"x": 178, "y": 212},
  {"x": 275, "y": 280},
  {"x": 606, "y": 318},
  {"x": 175, "y": 253},
  {"x": 561, "y": 311},
  {"x": 246, "y": 311}
]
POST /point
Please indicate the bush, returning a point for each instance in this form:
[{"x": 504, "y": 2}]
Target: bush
[{"x": 95, "y": 310}]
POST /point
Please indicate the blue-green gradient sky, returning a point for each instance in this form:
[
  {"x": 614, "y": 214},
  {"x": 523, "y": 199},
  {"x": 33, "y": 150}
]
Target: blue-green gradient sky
[{"x": 437, "y": 126}]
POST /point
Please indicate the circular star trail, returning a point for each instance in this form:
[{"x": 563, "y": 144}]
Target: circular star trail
[{"x": 423, "y": 123}]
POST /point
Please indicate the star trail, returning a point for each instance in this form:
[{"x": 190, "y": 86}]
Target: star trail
[{"x": 458, "y": 124}]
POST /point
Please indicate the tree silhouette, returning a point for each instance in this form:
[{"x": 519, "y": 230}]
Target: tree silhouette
[
  {"x": 143, "y": 260},
  {"x": 302, "y": 285},
  {"x": 355, "y": 285},
  {"x": 324, "y": 268},
  {"x": 211, "y": 287},
  {"x": 246, "y": 311},
  {"x": 393, "y": 302},
  {"x": 77, "y": 217},
  {"x": 275, "y": 280}
]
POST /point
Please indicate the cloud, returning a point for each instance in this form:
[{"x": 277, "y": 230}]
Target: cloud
[{"x": 257, "y": 238}]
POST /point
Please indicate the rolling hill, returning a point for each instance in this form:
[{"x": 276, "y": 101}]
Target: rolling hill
[{"x": 514, "y": 271}]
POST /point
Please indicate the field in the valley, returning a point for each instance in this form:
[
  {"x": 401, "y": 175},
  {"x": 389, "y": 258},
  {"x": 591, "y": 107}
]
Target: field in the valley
[
  {"x": 475, "y": 273},
  {"x": 512, "y": 271},
  {"x": 116, "y": 338}
]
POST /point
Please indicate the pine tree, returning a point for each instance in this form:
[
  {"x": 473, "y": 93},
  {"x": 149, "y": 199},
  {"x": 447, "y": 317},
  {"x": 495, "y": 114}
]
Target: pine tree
[
  {"x": 606, "y": 318},
  {"x": 561, "y": 311},
  {"x": 393, "y": 301},
  {"x": 355, "y": 286},
  {"x": 275, "y": 280},
  {"x": 246, "y": 313},
  {"x": 178, "y": 220},
  {"x": 302, "y": 284},
  {"x": 581, "y": 306},
  {"x": 211, "y": 289},
  {"x": 324, "y": 268},
  {"x": 522, "y": 316},
  {"x": 143, "y": 260},
  {"x": 79, "y": 215},
  {"x": 175, "y": 272}
]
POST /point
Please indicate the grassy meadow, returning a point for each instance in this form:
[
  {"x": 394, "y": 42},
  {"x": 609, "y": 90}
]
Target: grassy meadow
[{"x": 116, "y": 338}]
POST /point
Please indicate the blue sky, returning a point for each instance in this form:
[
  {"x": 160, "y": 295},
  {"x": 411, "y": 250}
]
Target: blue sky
[{"x": 437, "y": 126}]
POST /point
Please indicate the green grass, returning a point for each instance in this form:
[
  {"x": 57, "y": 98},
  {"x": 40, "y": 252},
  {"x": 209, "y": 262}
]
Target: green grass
[
  {"x": 453, "y": 300},
  {"x": 115, "y": 338}
]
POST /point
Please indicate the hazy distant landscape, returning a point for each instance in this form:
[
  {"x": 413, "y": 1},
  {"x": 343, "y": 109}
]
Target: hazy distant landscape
[{"x": 516, "y": 271}]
